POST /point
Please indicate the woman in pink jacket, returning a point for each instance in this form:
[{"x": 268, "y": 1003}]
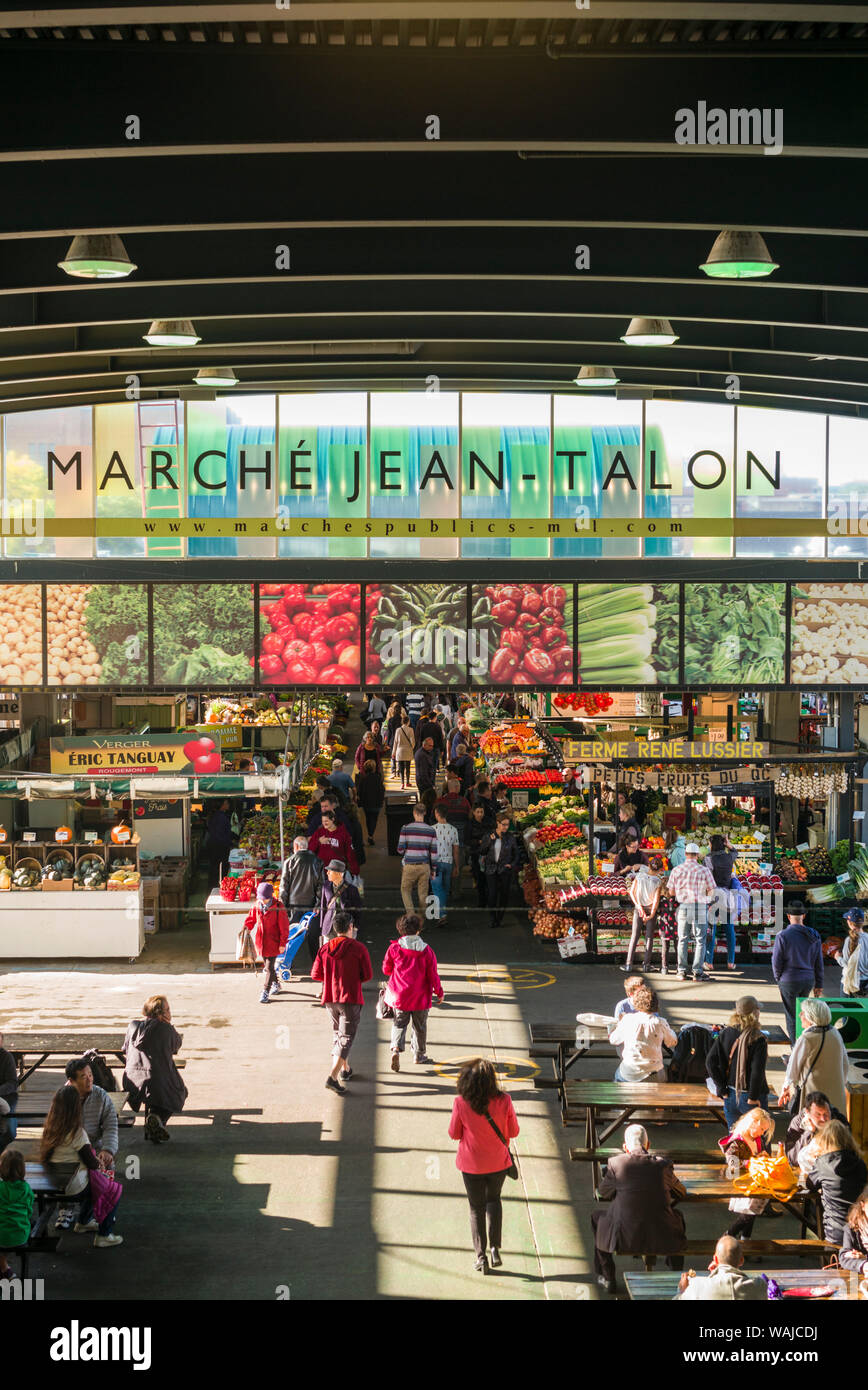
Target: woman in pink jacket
[
  {"x": 483, "y": 1121},
  {"x": 412, "y": 969}
]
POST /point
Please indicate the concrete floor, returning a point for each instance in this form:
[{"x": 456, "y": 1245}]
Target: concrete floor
[{"x": 273, "y": 1187}]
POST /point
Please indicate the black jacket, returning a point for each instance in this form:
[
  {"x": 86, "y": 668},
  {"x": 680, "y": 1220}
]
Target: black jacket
[
  {"x": 840, "y": 1177},
  {"x": 300, "y": 880},
  {"x": 721, "y": 1066},
  {"x": 430, "y": 728},
  {"x": 509, "y": 852},
  {"x": 150, "y": 1073},
  {"x": 854, "y": 1250},
  {"x": 721, "y": 862},
  {"x": 8, "y": 1076},
  {"x": 424, "y": 768},
  {"x": 798, "y": 1135},
  {"x": 489, "y": 806},
  {"x": 370, "y": 791},
  {"x": 474, "y": 834}
]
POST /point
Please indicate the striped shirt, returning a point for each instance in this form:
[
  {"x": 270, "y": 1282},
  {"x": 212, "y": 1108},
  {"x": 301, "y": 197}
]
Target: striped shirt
[
  {"x": 417, "y": 843},
  {"x": 414, "y": 704}
]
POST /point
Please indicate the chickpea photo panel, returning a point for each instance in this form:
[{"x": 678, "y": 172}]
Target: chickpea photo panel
[
  {"x": 829, "y": 634},
  {"x": 97, "y": 634},
  {"x": 21, "y": 635}
]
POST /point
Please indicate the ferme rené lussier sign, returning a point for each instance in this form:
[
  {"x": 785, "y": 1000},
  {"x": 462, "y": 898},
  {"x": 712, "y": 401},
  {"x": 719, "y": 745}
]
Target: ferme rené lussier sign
[{"x": 705, "y": 469}]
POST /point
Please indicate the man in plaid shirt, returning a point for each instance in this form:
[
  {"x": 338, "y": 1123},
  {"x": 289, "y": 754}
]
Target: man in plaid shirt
[{"x": 693, "y": 886}]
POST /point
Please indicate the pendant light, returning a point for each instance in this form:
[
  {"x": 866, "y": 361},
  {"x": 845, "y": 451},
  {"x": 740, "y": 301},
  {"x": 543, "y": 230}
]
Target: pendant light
[
  {"x": 97, "y": 258},
  {"x": 215, "y": 376},
  {"x": 172, "y": 333},
  {"x": 739, "y": 256},
  {"x": 649, "y": 333},
  {"x": 596, "y": 378}
]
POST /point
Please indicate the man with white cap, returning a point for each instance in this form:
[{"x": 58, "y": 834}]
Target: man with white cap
[
  {"x": 642, "y": 1219},
  {"x": 693, "y": 887}
]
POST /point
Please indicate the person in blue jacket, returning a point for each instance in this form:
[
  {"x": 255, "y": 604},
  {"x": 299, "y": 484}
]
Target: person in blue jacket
[
  {"x": 797, "y": 963},
  {"x": 856, "y": 942}
]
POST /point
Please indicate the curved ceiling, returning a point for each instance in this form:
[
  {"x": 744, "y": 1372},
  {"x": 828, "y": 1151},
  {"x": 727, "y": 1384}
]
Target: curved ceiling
[{"x": 307, "y": 126}]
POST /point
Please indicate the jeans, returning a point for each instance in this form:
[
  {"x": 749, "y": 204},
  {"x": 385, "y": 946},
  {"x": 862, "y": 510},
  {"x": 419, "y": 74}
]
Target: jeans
[
  {"x": 345, "y": 1023},
  {"x": 729, "y": 928},
  {"x": 85, "y": 1214},
  {"x": 737, "y": 1103},
  {"x": 483, "y": 1194},
  {"x": 401, "y": 1022},
  {"x": 691, "y": 922},
  {"x": 442, "y": 884},
  {"x": 414, "y": 876},
  {"x": 791, "y": 990}
]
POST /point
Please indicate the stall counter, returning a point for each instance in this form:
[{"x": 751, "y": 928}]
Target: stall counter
[
  {"x": 224, "y": 920},
  {"x": 73, "y": 925}
]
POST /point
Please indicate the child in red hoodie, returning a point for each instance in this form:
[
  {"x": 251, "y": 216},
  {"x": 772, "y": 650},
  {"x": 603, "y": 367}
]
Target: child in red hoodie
[
  {"x": 343, "y": 965},
  {"x": 270, "y": 926}
]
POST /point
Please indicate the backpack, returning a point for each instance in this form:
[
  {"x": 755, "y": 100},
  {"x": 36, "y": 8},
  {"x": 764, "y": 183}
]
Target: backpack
[
  {"x": 102, "y": 1074},
  {"x": 688, "y": 1062}
]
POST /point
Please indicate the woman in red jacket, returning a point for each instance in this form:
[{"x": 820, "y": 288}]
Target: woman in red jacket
[
  {"x": 270, "y": 926},
  {"x": 483, "y": 1121},
  {"x": 412, "y": 967},
  {"x": 332, "y": 841}
]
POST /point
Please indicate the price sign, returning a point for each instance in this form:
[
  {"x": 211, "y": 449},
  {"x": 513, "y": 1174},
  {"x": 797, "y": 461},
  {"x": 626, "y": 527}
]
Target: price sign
[
  {"x": 519, "y": 801},
  {"x": 843, "y": 878},
  {"x": 801, "y": 848},
  {"x": 29, "y": 837},
  {"x": 91, "y": 837},
  {"x": 63, "y": 836}
]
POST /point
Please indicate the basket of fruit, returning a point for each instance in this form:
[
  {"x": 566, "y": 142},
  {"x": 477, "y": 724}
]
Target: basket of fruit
[
  {"x": 27, "y": 876},
  {"x": 90, "y": 872}
]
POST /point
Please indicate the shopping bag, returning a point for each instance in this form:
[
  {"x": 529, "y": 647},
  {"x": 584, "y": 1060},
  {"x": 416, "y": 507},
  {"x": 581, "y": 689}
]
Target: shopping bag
[
  {"x": 245, "y": 951},
  {"x": 767, "y": 1176},
  {"x": 105, "y": 1193},
  {"x": 385, "y": 1003}
]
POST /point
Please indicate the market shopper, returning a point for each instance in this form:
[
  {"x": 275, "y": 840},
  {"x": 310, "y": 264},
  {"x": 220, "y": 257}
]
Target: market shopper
[
  {"x": 376, "y": 709},
  {"x": 417, "y": 846},
  {"x": 219, "y": 840},
  {"x": 644, "y": 892},
  {"x": 340, "y": 778},
  {"x": 643, "y": 1190},
  {"x": 414, "y": 705},
  {"x": 333, "y": 841},
  {"x": 674, "y": 844},
  {"x": 797, "y": 963},
  {"x": 150, "y": 1075},
  {"x": 426, "y": 771},
  {"x": 463, "y": 767},
  {"x": 693, "y": 886},
  {"x": 482, "y": 796},
  {"x": 369, "y": 749},
  {"x": 642, "y": 1034},
  {"x": 394, "y": 715},
  {"x": 818, "y": 1061},
  {"x": 429, "y": 726},
  {"x": 721, "y": 860},
  {"x": 750, "y": 1136},
  {"x": 411, "y": 968},
  {"x": 477, "y": 831},
  {"x": 404, "y": 749},
  {"x": 300, "y": 879},
  {"x": 737, "y": 1061},
  {"x": 64, "y": 1140},
  {"x": 839, "y": 1175},
  {"x": 856, "y": 944},
  {"x": 343, "y": 965},
  {"x": 455, "y": 807},
  {"x": 269, "y": 923},
  {"x": 337, "y": 895},
  {"x": 99, "y": 1118},
  {"x": 483, "y": 1121},
  {"x": 807, "y": 1123},
  {"x": 16, "y": 1206},
  {"x": 8, "y": 1095},
  {"x": 446, "y": 862},
  {"x": 500, "y": 855},
  {"x": 370, "y": 793}
]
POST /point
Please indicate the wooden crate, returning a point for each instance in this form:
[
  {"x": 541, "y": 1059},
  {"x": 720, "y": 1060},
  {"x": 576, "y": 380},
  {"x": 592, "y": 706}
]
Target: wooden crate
[{"x": 28, "y": 850}]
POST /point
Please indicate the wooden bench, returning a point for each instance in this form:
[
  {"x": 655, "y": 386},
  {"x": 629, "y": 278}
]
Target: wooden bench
[
  {"x": 546, "y": 1083},
  {"x": 40, "y": 1243},
  {"x": 550, "y": 1053},
  {"x": 604, "y": 1153},
  {"x": 35, "y": 1107},
  {"x": 798, "y": 1249}
]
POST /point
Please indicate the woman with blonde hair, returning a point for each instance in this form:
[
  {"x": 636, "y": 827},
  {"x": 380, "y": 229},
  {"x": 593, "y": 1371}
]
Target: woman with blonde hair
[
  {"x": 750, "y": 1136},
  {"x": 736, "y": 1061},
  {"x": 818, "y": 1061},
  {"x": 854, "y": 1245},
  {"x": 839, "y": 1175},
  {"x": 150, "y": 1075}
]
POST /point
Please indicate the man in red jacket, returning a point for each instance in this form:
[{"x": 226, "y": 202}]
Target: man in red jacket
[
  {"x": 343, "y": 965},
  {"x": 332, "y": 841},
  {"x": 270, "y": 926}
]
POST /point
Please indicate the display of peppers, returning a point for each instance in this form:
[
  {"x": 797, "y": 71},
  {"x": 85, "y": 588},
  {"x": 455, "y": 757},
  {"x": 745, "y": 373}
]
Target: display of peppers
[
  {"x": 524, "y": 634},
  {"x": 311, "y": 634}
]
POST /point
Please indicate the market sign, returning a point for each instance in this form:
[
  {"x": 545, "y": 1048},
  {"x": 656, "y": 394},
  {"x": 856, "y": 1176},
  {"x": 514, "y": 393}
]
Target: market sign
[
  {"x": 666, "y": 750},
  {"x": 109, "y": 755},
  {"x": 228, "y": 735},
  {"x": 686, "y": 781}
]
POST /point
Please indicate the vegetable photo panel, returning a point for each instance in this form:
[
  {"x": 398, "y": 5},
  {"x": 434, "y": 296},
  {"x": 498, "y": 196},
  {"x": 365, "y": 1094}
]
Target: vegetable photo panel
[
  {"x": 21, "y": 635},
  {"x": 522, "y": 634},
  {"x": 628, "y": 634},
  {"x": 734, "y": 634},
  {"x": 829, "y": 634},
  {"x": 97, "y": 634},
  {"x": 416, "y": 633},
  {"x": 310, "y": 635},
  {"x": 203, "y": 634}
]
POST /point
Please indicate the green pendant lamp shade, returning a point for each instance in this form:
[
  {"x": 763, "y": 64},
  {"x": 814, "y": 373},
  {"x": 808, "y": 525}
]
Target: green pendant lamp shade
[
  {"x": 97, "y": 258},
  {"x": 739, "y": 256}
]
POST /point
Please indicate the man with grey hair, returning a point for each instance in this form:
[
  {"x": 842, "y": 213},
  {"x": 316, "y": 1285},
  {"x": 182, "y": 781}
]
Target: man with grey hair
[
  {"x": 301, "y": 882},
  {"x": 341, "y": 779},
  {"x": 642, "y": 1219},
  {"x": 725, "y": 1281}
]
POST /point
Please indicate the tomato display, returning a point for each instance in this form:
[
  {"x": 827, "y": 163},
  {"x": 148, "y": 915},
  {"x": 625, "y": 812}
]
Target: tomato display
[
  {"x": 311, "y": 634},
  {"x": 523, "y": 634}
]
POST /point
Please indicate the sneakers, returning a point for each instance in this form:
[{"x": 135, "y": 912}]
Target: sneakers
[
  {"x": 89, "y": 1226},
  {"x": 346, "y": 1073},
  {"x": 681, "y": 975},
  {"x": 155, "y": 1130},
  {"x": 106, "y": 1242},
  {"x": 275, "y": 989},
  {"x": 396, "y": 1061},
  {"x": 422, "y": 1058},
  {"x": 332, "y": 1085},
  {"x": 65, "y": 1219},
  {"x": 702, "y": 978},
  {"x": 263, "y": 998}
]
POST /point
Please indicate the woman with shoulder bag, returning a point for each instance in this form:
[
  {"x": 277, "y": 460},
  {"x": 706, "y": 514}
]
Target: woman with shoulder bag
[
  {"x": 818, "y": 1061},
  {"x": 737, "y": 1059},
  {"x": 483, "y": 1121}
]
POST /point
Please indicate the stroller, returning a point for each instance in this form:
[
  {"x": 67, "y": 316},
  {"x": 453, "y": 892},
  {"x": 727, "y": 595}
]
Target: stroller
[{"x": 297, "y": 934}]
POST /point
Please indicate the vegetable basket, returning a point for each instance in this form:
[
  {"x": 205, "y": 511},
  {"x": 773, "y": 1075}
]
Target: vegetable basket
[{"x": 30, "y": 867}]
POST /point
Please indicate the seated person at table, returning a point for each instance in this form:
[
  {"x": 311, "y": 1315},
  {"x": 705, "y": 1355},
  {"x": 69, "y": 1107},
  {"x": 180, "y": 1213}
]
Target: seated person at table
[
  {"x": 725, "y": 1281},
  {"x": 642, "y": 1217},
  {"x": 8, "y": 1095},
  {"x": 854, "y": 1245},
  {"x": 839, "y": 1174},
  {"x": 98, "y": 1117},
  {"x": 750, "y": 1136},
  {"x": 16, "y": 1206},
  {"x": 806, "y": 1125},
  {"x": 629, "y": 855},
  {"x": 65, "y": 1141},
  {"x": 642, "y": 1034},
  {"x": 625, "y": 1005}
]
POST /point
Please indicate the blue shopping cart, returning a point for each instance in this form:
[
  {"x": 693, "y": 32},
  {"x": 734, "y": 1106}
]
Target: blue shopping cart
[{"x": 297, "y": 934}]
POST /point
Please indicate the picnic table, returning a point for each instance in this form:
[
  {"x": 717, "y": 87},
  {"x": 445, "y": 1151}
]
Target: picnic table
[
  {"x": 44, "y": 1045},
  {"x": 48, "y": 1183},
  {"x": 705, "y": 1186},
  {"x": 620, "y": 1100},
  {"x": 663, "y": 1284}
]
